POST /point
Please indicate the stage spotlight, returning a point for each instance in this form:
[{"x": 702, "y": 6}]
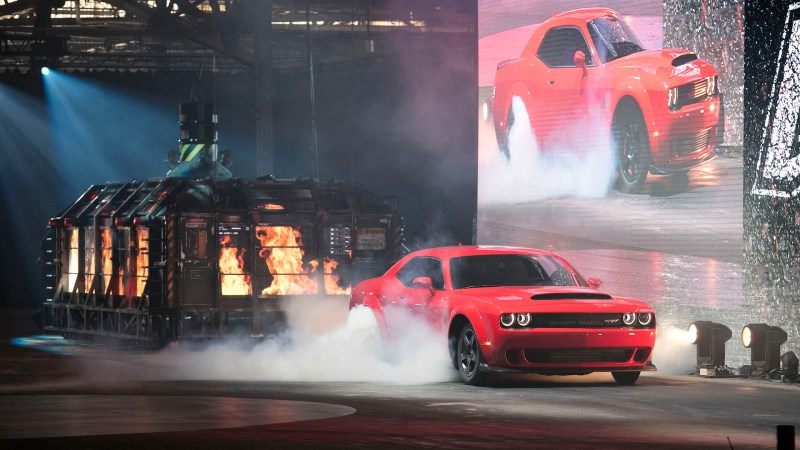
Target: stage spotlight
[
  {"x": 764, "y": 342},
  {"x": 710, "y": 338},
  {"x": 789, "y": 366},
  {"x": 45, "y": 71}
]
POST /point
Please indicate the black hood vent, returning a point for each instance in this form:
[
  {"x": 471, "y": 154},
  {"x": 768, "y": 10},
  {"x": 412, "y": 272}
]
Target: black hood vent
[
  {"x": 683, "y": 59},
  {"x": 572, "y": 296}
]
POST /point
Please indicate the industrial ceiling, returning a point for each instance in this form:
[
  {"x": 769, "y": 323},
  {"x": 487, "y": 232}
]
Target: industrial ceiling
[{"x": 219, "y": 35}]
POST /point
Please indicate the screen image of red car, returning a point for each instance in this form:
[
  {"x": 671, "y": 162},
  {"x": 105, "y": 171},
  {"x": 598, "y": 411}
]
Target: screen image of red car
[
  {"x": 504, "y": 309},
  {"x": 661, "y": 107}
]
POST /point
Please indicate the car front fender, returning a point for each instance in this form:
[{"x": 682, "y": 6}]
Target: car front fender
[{"x": 482, "y": 326}]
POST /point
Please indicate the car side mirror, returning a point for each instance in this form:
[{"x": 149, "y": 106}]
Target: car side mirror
[
  {"x": 594, "y": 282},
  {"x": 579, "y": 59},
  {"x": 423, "y": 282}
]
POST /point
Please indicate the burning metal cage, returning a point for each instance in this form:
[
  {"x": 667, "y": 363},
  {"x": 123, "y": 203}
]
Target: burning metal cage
[{"x": 175, "y": 258}]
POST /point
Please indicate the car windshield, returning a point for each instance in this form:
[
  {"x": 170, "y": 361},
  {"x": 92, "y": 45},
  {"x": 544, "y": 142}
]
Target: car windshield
[
  {"x": 511, "y": 270},
  {"x": 613, "y": 39}
]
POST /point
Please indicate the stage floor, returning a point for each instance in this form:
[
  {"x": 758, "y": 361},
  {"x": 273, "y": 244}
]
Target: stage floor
[{"x": 90, "y": 398}]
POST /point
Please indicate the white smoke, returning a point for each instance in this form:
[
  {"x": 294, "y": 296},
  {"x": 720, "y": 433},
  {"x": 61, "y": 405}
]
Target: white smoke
[
  {"x": 580, "y": 163},
  {"x": 674, "y": 353},
  {"x": 325, "y": 343}
]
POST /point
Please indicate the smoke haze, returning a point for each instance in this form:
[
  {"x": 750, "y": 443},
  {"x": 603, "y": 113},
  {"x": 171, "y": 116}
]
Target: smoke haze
[
  {"x": 580, "y": 165},
  {"x": 674, "y": 353},
  {"x": 324, "y": 344}
]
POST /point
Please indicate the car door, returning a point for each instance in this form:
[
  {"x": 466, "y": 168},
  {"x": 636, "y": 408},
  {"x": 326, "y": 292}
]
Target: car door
[
  {"x": 560, "y": 85},
  {"x": 402, "y": 301}
]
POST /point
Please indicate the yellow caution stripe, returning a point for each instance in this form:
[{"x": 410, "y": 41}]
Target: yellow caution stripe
[{"x": 188, "y": 151}]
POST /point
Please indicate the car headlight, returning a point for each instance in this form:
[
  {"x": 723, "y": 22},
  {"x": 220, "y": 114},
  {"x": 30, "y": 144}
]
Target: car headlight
[
  {"x": 523, "y": 319},
  {"x": 629, "y": 318},
  {"x": 506, "y": 320},
  {"x": 645, "y": 319},
  {"x": 672, "y": 98}
]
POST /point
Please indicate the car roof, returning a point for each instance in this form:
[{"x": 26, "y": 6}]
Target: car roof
[
  {"x": 473, "y": 250},
  {"x": 583, "y": 15}
]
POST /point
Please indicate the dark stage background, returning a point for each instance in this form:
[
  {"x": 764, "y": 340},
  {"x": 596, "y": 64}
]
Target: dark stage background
[{"x": 399, "y": 125}]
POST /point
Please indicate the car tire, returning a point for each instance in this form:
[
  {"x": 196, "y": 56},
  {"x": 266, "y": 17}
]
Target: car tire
[
  {"x": 469, "y": 357},
  {"x": 632, "y": 149},
  {"x": 625, "y": 377}
]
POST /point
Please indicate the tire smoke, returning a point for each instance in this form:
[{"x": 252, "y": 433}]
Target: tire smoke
[
  {"x": 580, "y": 162},
  {"x": 324, "y": 343}
]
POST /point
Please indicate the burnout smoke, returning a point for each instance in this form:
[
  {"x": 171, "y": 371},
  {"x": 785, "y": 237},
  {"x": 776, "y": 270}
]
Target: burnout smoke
[
  {"x": 325, "y": 343},
  {"x": 580, "y": 163},
  {"x": 674, "y": 353}
]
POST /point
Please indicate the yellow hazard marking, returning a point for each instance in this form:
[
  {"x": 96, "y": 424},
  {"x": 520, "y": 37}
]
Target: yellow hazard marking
[{"x": 194, "y": 153}]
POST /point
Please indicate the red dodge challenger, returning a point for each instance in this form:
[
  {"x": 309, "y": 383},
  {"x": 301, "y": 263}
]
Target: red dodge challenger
[
  {"x": 503, "y": 309},
  {"x": 662, "y": 107}
]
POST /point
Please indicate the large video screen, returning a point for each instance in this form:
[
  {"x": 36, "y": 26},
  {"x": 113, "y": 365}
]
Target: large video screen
[{"x": 611, "y": 133}]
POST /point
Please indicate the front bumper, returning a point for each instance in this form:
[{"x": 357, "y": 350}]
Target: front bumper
[
  {"x": 570, "y": 350},
  {"x": 648, "y": 367},
  {"x": 685, "y": 138}
]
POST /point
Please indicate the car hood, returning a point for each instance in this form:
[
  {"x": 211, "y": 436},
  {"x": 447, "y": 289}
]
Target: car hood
[
  {"x": 666, "y": 63},
  {"x": 548, "y": 297}
]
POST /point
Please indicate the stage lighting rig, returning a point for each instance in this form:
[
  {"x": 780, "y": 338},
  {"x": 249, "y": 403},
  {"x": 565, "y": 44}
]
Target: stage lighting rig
[
  {"x": 764, "y": 342},
  {"x": 710, "y": 339},
  {"x": 789, "y": 366}
]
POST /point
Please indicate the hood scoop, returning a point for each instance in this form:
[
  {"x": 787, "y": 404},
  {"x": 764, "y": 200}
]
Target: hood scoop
[
  {"x": 683, "y": 59},
  {"x": 572, "y": 296}
]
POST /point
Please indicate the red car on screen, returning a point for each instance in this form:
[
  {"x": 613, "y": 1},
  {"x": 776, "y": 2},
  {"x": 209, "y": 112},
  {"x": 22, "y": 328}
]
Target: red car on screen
[
  {"x": 662, "y": 107},
  {"x": 502, "y": 309}
]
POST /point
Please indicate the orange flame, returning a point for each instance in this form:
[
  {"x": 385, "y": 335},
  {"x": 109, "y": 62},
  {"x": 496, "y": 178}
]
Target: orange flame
[
  {"x": 283, "y": 255},
  {"x": 271, "y": 206},
  {"x": 233, "y": 279},
  {"x": 332, "y": 281}
]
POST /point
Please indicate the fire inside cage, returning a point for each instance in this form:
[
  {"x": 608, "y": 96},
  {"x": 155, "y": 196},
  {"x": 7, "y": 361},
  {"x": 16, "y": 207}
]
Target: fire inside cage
[{"x": 179, "y": 258}]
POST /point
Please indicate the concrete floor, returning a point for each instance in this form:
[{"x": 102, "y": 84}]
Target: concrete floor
[{"x": 50, "y": 400}]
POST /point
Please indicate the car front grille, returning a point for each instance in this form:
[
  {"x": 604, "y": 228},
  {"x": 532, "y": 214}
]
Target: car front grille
[
  {"x": 579, "y": 355},
  {"x": 691, "y": 143},
  {"x": 570, "y": 320}
]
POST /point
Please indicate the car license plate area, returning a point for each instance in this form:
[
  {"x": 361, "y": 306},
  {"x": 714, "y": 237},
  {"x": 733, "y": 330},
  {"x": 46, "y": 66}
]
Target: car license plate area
[{"x": 578, "y": 355}]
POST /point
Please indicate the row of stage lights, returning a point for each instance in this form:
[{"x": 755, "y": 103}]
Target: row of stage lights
[{"x": 764, "y": 342}]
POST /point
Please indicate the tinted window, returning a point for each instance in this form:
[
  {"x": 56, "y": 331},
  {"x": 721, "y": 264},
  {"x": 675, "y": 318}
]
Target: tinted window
[
  {"x": 559, "y": 46},
  {"x": 422, "y": 267},
  {"x": 613, "y": 38},
  {"x": 509, "y": 270}
]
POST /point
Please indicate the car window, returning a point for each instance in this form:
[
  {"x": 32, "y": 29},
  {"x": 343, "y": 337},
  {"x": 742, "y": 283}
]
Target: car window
[
  {"x": 422, "y": 266},
  {"x": 509, "y": 270},
  {"x": 559, "y": 45},
  {"x": 613, "y": 38}
]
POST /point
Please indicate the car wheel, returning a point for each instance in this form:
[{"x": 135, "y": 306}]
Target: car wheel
[
  {"x": 633, "y": 150},
  {"x": 469, "y": 357},
  {"x": 625, "y": 377}
]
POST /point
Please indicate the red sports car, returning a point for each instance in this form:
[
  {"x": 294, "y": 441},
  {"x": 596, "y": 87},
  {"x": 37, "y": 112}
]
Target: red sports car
[
  {"x": 662, "y": 107},
  {"x": 505, "y": 309}
]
